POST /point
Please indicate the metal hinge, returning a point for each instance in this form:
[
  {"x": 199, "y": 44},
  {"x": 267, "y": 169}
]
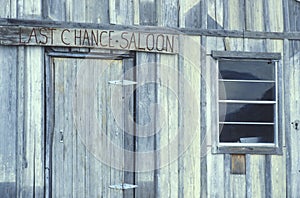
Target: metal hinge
[
  {"x": 123, "y": 186},
  {"x": 122, "y": 82}
]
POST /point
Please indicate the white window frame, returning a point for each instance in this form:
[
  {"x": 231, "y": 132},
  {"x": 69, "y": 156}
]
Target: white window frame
[{"x": 248, "y": 148}]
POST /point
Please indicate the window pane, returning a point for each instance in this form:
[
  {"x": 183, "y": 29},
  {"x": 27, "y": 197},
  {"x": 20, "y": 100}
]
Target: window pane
[
  {"x": 247, "y": 133},
  {"x": 246, "y": 91},
  {"x": 246, "y": 70},
  {"x": 231, "y": 112}
]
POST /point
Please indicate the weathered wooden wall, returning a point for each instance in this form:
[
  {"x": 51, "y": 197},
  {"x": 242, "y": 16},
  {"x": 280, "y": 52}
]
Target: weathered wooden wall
[{"x": 197, "y": 172}]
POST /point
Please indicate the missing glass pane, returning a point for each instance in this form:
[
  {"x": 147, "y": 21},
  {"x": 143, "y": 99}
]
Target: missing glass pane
[
  {"x": 246, "y": 133},
  {"x": 246, "y": 91},
  {"x": 246, "y": 112},
  {"x": 246, "y": 70}
]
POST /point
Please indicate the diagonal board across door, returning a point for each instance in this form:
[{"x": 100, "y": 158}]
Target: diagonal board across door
[{"x": 88, "y": 135}]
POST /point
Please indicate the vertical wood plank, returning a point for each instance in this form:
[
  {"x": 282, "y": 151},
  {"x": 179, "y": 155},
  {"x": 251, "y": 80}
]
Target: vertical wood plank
[
  {"x": 167, "y": 95},
  {"x": 33, "y": 124},
  {"x": 97, "y": 12},
  {"x": 8, "y": 122},
  {"x": 257, "y": 175},
  {"x": 217, "y": 165},
  {"x": 278, "y": 175},
  {"x": 236, "y": 14},
  {"x": 235, "y": 21},
  {"x": 79, "y": 11},
  {"x": 287, "y": 102},
  {"x": 191, "y": 76},
  {"x": 33, "y": 174},
  {"x": 56, "y": 10},
  {"x": 237, "y": 186},
  {"x": 254, "y": 15},
  {"x": 121, "y": 12},
  {"x": 294, "y": 14},
  {"x": 167, "y": 13},
  {"x": 115, "y": 129},
  {"x": 32, "y": 9},
  {"x": 146, "y": 96},
  {"x": 21, "y": 121},
  {"x": 147, "y": 11},
  {"x": 274, "y": 15},
  {"x": 112, "y": 12},
  {"x": 129, "y": 139},
  {"x": 293, "y": 134},
  {"x": 190, "y": 13},
  {"x": 227, "y": 178},
  {"x": 136, "y": 10},
  {"x": 215, "y": 175},
  {"x": 286, "y": 15},
  {"x": 205, "y": 135},
  {"x": 57, "y": 154},
  {"x": 5, "y": 9},
  {"x": 167, "y": 175},
  {"x": 277, "y": 164},
  {"x": 215, "y": 14}
]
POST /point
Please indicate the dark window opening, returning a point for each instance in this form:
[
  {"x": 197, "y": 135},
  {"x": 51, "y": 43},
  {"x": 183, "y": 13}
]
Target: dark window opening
[{"x": 247, "y": 101}]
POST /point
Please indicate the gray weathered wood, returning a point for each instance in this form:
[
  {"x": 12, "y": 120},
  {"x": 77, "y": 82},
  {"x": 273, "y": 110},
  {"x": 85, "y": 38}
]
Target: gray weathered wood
[
  {"x": 93, "y": 38},
  {"x": 230, "y": 25},
  {"x": 8, "y": 122},
  {"x": 146, "y": 95},
  {"x": 294, "y": 14},
  {"x": 293, "y": 35},
  {"x": 21, "y": 114},
  {"x": 292, "y": 140},
  {"x": 147, "y": 12},
  {"x": 245, "y": 55}
]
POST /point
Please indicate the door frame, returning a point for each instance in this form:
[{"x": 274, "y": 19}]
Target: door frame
[{"x": 49, "y": 96}]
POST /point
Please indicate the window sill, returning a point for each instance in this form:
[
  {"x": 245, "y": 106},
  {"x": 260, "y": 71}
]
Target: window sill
[{"x": 240, "y": 148}]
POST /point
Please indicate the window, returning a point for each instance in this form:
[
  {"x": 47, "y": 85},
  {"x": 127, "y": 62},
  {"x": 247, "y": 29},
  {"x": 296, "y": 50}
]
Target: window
[{"x": 247, "y": 102}]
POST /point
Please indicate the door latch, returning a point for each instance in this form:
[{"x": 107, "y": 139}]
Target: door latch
[
  {"x": 296, "y": 124},
  {"x": 61, "y": 136}
]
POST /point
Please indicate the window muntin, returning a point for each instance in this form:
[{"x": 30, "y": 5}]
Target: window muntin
[{"x": 247, "y": 102}]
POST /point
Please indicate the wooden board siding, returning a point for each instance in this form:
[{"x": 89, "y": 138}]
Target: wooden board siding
[
  {"x": 292, "y": 18},
  {"x": 292, "y": 140},
  {"x": 211, "y": 25},
  {"x": 8, "y": 122}
]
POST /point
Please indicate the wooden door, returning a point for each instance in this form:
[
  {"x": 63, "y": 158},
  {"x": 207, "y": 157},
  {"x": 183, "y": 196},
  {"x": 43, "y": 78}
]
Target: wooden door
[{"x": 88, "y": 134}]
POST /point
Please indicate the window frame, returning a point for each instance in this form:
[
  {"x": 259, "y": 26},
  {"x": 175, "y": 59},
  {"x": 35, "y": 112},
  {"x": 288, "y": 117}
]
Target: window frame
[{"x": 247, "y": 148}]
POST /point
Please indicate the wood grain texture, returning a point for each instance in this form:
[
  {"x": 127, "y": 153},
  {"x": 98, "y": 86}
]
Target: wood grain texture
[
  {"x": 190, "y": 14},
  {"x": 215, "y": 17},
  {"x": 293, "y": 14},
  {"x": 237, "y": 186},
  {"x": 254, "y": 15},
  {"x": 146, "y": 97},
  {"x": 167, "y": 13},
  {"x": 236, "y": 14},
  {"x": 121, "y": 12},
  {"x": 273, "y": 16},
  {"x": 238, "y": 164},
  {"x": 292, "y": 134},
  {"x": 190, "y": 87},
  {"x": 229, "y": 25},
  {"x": 168, "y": 182},
  {"x": 147, "y": 12},
  {"x": 190, "y": 31},
  {"x": 76, "y": 163},
  {"x": 33, "y": 124},
  {"x": 8, "y": 122}
]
